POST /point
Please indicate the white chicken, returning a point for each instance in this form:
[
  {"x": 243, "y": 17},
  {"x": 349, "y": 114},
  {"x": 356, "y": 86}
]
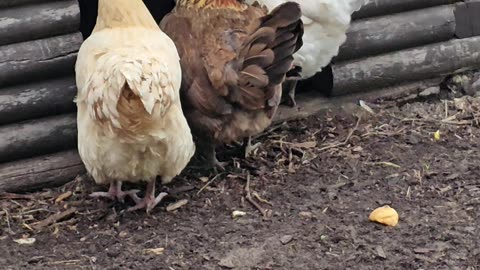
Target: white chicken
[
  {"x": 325, "y": 25},
  {"x": 131, "y": 126}
]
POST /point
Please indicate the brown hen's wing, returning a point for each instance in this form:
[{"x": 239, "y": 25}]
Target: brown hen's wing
[{"x": 256, "y": 59}]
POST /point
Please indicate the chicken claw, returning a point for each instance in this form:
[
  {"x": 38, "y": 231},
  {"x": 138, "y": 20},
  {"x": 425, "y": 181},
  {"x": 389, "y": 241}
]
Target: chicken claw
[
  {"x": 249, "y": 148},
  {"x": 149, "y": 201},
  {"x": 115, "y": 192}
]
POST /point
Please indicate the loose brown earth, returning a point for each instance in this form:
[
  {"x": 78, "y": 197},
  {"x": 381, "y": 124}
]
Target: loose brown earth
[{"x": 322, "y": 176}]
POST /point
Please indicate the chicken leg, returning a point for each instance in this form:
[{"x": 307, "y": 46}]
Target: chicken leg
[
  {"x": 289, "y": 87},
  {"x": 206, "y": 152},
  {"x": 115, "y": 192},
  {"x": 290, "y": 84},
  {"x": 149, "y": 201}
]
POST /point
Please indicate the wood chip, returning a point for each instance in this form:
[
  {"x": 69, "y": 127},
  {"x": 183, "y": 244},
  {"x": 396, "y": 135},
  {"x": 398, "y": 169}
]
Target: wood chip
[
  {"x": 236, "y": 214},
  {"x": 63, "y": 197},
  {"x": 227, "y": 262},
  {"x": 286, "y": 239},
  {"x": 155, "y": 251},
  {"x": 25, "y": 241},
  {"x": 305, "y": 145},
  {"x": 175, "y": 206},
  {"x": 381, "y": 252},
  {"x": 306, "y": 214}
]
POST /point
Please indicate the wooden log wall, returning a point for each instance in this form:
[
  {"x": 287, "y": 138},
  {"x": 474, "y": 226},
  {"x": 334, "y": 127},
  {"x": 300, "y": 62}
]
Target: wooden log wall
[
  {"x": 390, "y": 42},
  {"x": 416, "y": 40},
  {"x": 39, "y": 41}
]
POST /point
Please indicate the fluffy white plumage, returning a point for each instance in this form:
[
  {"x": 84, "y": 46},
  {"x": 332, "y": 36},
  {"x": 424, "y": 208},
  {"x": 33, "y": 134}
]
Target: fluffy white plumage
[
  {"x": 326, "y": 23},
  {"x": 131, "y": 145},
  {"x": 130, "y": 121}
]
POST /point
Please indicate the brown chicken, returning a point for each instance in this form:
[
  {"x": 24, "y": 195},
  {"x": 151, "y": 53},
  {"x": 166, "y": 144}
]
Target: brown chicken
[{"x": 234, "y": 59}]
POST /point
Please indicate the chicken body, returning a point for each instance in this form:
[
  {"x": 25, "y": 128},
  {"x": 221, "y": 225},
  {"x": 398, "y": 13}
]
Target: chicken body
[
  {"x": 326, "y": 23},
  {"x": 234, "y": 59},
  {"x": 131, "y": 126}
]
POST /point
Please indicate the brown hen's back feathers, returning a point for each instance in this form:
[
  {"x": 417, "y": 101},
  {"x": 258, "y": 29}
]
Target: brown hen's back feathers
[{"x": 233, "y": 62}]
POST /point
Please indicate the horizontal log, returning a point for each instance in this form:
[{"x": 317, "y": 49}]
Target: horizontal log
[
  {"x": 38, "y": 60},
  {"x": 31, "y": 22},
  {"x": 37, "y": 137},
  {"x": 312, "y": 103},
  {"x": 40, "y": 172},
  {"x": 14, "y": 3},
  {"x": 36, "y": 100},
  {"x": 400, "y": 31},
  {"x": 407, "y": 65},
  {"x": 385, "y": 7}
]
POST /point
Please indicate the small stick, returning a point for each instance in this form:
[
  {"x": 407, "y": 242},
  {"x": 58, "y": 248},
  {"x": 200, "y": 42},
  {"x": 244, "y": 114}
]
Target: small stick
[
  {"x": 54, "y": 218},
  {"x": 208, "y": 183},
  {"x": 249, "y": 198},
  {"x": 14, "y": 196},
  {"x": 344, "y": 142}
]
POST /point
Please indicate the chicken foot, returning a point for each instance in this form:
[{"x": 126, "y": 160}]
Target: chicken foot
[
  {"x": 149, "y": 201},
  {"x": 249, "y": 148},
  {"x": 115, "y": 192},
  {"x": 207, "y": 152}
]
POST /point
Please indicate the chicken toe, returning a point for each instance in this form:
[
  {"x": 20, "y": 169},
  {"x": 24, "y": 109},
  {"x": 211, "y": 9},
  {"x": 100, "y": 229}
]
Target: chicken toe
[
  {"x": 149, "y": 201},
  {"x": 115, "y": 192}
]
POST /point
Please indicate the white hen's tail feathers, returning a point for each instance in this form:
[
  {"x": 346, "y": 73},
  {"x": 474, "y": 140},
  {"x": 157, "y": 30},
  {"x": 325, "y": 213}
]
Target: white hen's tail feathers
[
  {"x": 128, "y": 93},
  {"x": 325, "y": 26}
]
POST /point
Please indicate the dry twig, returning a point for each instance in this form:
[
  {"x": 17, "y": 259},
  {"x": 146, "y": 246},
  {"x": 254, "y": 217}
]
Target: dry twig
[
  {"x": 251, "y": 200},
  {"x": 345, "y": 141},
  {"x": 208, "y": 183},
  {"x": 53, "y": 219}
]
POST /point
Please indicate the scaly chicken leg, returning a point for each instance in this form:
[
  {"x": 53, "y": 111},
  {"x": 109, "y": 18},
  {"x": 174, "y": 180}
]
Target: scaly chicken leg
[
  {"x": 289, "y": 87},
  {"x": 149, "y": 201},
  {"x": 206, "y": 153},
  {"x": 115, "y": 192},
  {"x": 211, "y": 161}
]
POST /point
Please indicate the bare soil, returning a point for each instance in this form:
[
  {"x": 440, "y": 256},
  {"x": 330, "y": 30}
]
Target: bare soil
[{"x": 321, "y": 177}]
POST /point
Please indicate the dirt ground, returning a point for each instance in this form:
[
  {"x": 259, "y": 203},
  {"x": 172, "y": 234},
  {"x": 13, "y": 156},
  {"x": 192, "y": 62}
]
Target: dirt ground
[{"x": 321, "y": 177}]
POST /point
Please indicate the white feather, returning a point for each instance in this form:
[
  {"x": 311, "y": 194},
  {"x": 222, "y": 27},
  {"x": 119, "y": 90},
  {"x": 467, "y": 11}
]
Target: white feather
[{"x": 326, "y": 23}]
